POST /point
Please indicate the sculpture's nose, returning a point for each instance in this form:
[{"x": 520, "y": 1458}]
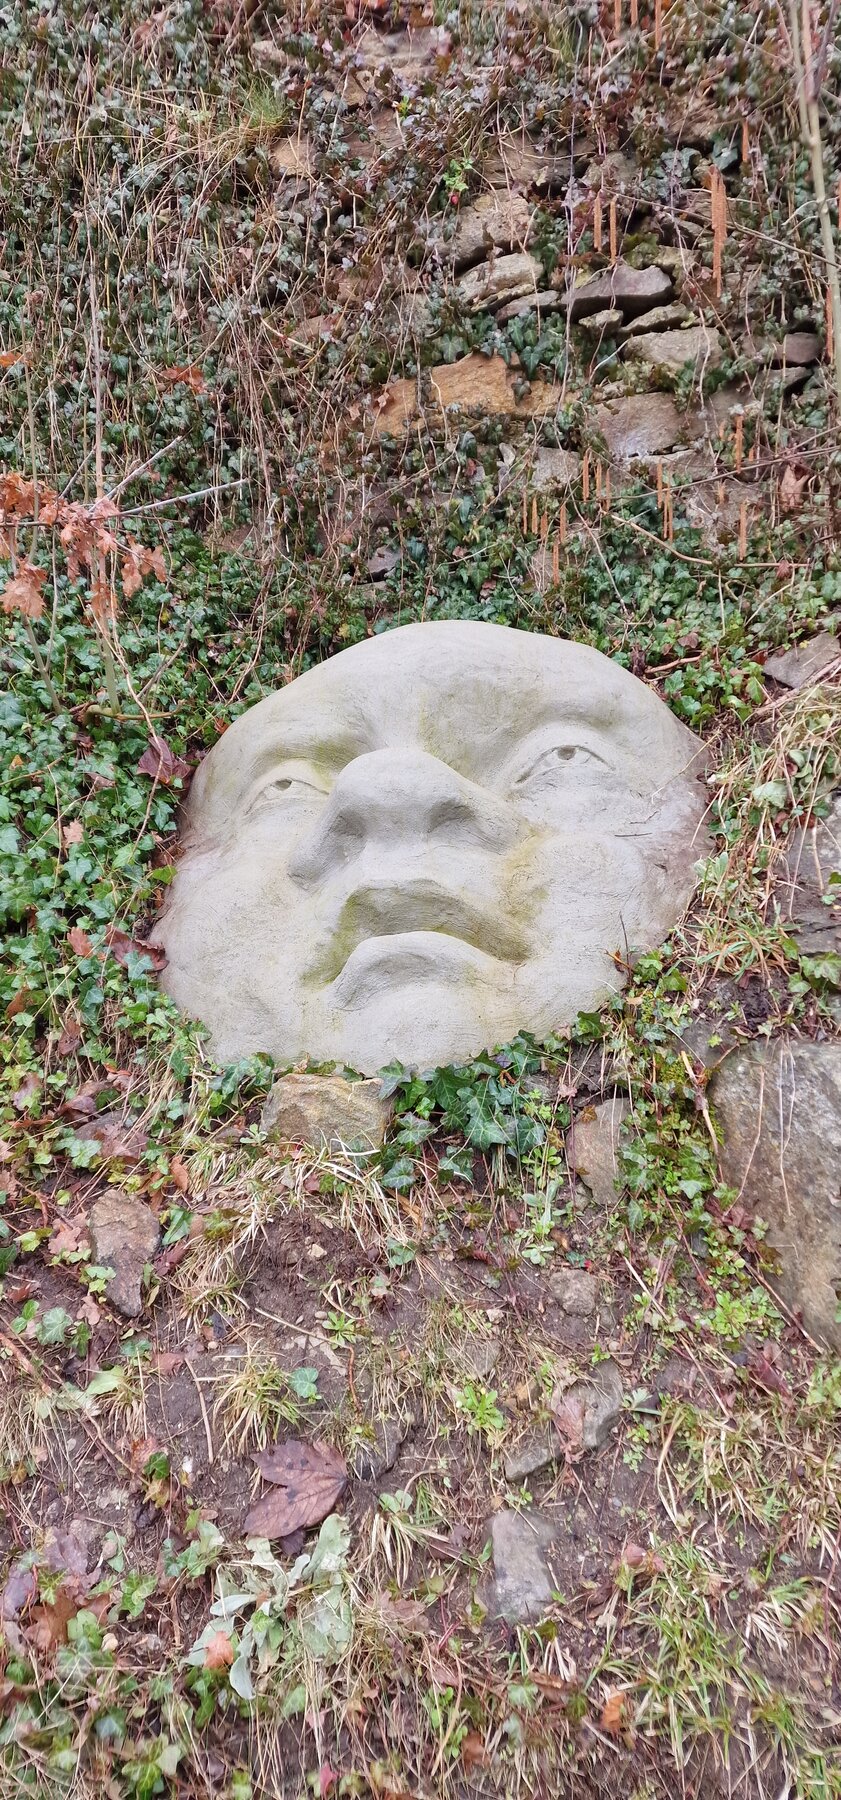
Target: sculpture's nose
[{"x": 403, "y": 799}]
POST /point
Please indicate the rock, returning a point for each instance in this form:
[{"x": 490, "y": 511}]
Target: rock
[
  {"x": 642, "y": 425},
  {"x": 124, "y": 1237},
  {"x": 675, "y": 259},
  {"x": 660, "y": 318},
  {"x": 406, "y": 53},
  {"x": 327, "y": 1112},
  {"x": 600, "y": 1397},
  {"x": 523, "y": 1585},
  {"x": 798, "y": 348},
  {"x": 533, "y": 1453},
  {"x": 506, "y": 278},
  {"x": 373, "y": 1459},
  {"x": 553, "y": 468},
  {"x": 396, "y": 409},
  {"x": 293, "y": 156},
  {"x": 486, "y": 385},
  {"x": 806, "y": 662},
  {"x": 692, "y": 124},
  {"x": 778, "y": 1108},
  {"x": 517, "y": 162},
  {"x": 631, "y": 290},
  {"x": 592, "y": 1147},
  {"x": 612, "y": 173},
  {"x": 479, "y": 1357},
  {"x": 574, "y": 1291},
  {"x": 602, "y": 323},
  {"x": 496, "y": 221},
  {"x": 709, "y": 1038},
  {"x": 812, "y": 857},
  {"x": 672, "y": 350},
  {"x": 548, "y": 300},
  {"x": 383, "y": 561}
]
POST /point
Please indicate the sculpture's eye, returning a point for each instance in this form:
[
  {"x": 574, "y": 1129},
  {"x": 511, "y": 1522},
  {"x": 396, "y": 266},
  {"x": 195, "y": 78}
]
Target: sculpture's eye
[
  {"x": 295, "y": 782},
  {"x": 561, "y": 762}
]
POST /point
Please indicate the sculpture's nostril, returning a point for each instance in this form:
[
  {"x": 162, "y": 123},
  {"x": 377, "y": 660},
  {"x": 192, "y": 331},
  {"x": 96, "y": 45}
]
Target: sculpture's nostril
[{"x": 452, "y": 815}]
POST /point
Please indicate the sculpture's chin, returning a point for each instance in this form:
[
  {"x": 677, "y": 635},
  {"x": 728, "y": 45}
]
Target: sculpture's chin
[{"x": 382, "y": 965}]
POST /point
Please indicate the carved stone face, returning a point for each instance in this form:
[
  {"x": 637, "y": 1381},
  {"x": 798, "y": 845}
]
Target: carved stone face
[{"x": 433, "y": 840}]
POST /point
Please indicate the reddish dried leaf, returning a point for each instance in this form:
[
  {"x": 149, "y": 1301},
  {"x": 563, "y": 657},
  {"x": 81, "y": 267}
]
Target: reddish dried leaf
[
  {"x": 167, "y": 1362},
  {"x": 71, "y": 1035},
  {"x": 49, "y": 1626},
  {"x": 178, "y": 1175},
  {"x": 30, "y": 1085},
  {"x": 22, "y": 593},
  {"x": 613, "y": 1713},
  {"x": 67, "y": 1237},
  {"x": 161, "y": 762},
  {"x": 19, "y": 1003},
  {"x": 79, "y": 941},
  {"x": 308, "y": 1480},
  {"x": 568, "y": 1414},
  {"x": 643, "y": 1563},
  {"x": 8, "y": 358},
  {"x": 473, "y": 1752},
  {"x": 219, "y": 1652},
  {"x": 118, "y": 1139},
  {"x": 183, "y": 375},
  {"x": 17, "y": 495},
  {"x": 121, "y": 947}
]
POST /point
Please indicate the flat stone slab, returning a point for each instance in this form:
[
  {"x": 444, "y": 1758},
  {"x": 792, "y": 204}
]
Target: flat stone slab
[
  {"x": 523, "y": 1587},
  {"x": 631, "y": 290},
  {"x": 506, "y": 278},
  {"x": 670, "y": 351},
  {"x": 778, "y": 1112},
  {"x": 593, "y": 1145},
  {"x": 327, "y": 1112},
  {"x": 496, "y": 221},
  {"x": 806, "y": 662},
  {"x": 806, "y": 901},
  {"x": 547, "y": 300},
  {"x": 641, "y": 425},
  {"x": 125, "y": 1234},
  {"x": 660, "y": 318}
]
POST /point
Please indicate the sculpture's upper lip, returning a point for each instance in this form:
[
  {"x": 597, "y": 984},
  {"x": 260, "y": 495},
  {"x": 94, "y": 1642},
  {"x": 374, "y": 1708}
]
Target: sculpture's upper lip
[{"x": 415, "y": 911}]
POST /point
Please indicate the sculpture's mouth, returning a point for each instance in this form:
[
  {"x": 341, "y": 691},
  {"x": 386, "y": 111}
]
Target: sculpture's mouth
[{"x": 414, "y": 931}]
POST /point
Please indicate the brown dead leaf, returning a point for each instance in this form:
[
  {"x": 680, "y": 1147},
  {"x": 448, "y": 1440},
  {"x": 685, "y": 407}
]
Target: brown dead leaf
[
  {"x": 791, "y": 489},
  {"x": 178, "y": 1175},
  {"x": 29, "y": 1086},
  {"x": 21, "y": 1587},
  {"x": 67, "y": 1237},
  {"x": 23, "y": 592},
  {"x": 183, "y": 375},
  {"x": 121, "y": 947},
  {"x": 613, "y": 1713},
  {"x": 308, "y": 1480},
  {"x": 568, "y": 1414},
  {"x": 71, "y": 1035},
  {"x": 8, "y": 358},
  {"x": 79, "y": 941},
  {"x": 49, "y": 1623},
  {"x": 219, "y": 1652},
  {"x": 72, "y": 833},
  {"x": 119, "y": 1139},
  {"x": 161, "y": 762},
  {"x": 473, "y": 1752},
  {"x": 18, "y": 1003},
  {"x": 167, "y": 1362}
]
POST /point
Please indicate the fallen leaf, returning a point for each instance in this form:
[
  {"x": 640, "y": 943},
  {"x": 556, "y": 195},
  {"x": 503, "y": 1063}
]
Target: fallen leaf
[
  {"x": 72, "y": 833},
  {"x": 79, "y": 941},
  {"x": 327, "y": 1778},
  {"x": 22, "y": 593},
  {"x": 307, "y": 1478},
  {"x": 178, "y": 1175},
  {"x": 118, "y": 1139},
  {"x": 613, "y": 1713},
  {"x": 49, "y": 1623},
  {"x": 20, "y": 1588},
  {"x": 66, "y": 1238},
  {"x": 568, "y": 1415},
  {"x": 642, "y": 1563},
  {"x": 19, "y": 1003},
  {"x": 218, "y": 1652},
  {"x": 473, "y": 1752},
  {"x": 764, "y": 1373},
  {"x": 122, "y": 946},
  {"x": 183, "y": 375},
  {"x": 29, "y": 1086},
  {"x": 161, "y": 762},
  {"x": 167, "y": 1362},
  {"x": 791, "y": 489},
  {"x": 71, "y": 1035}
]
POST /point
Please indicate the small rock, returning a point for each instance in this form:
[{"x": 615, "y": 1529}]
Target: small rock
[
  {"x": 812, "y": 856},
  {"x": 642, "y": 425},
  {"x": 612, "y": 173},
  {"x": 382, "y": 562},
  {"x": 325, "y": 1111},
  {"x": 553, "y": 468},
  {"x": 631, "y": 290},
  {"x": 532, "y": 1454},
  {"x": 486, "y": 385},
  {"x": 396, "y": 408},
  {"x": 124, "y": 1237},
  {"x": 516, "y": 161},
  {"x": 602, "y": 323},
  {"x": 506, "y": 278},
  {"x": 293, "y": 156},
  {"x": 806, "y": 662},
  {"x": 660, "y": 318},
  {"x": 480, "y": 1356},
  {"x": 798, "y": 348},
  {"x": 373, "y": 1459},
  {"x": 574, "y": 1291},
  {"x": 496, "y": 221},
  {"x": 778, "y": 1107},
  {"x": 675, "y": 259},
  {"x": 548, "y": 300},
  {"x": 405, "y": 53},
  {"x": 600, "y": 1397},
  {"x": 698, "y": 1034},
  {"x": 592, "y": 1146},
  {"x": 523, "y": 1586},
  {"x": 672, "y": 350}
]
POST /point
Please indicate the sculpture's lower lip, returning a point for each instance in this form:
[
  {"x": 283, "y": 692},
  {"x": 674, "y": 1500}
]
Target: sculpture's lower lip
[{"x": 403, "y": 957}]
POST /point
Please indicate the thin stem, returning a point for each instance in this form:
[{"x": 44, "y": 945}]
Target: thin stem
[
  {"x": 42, "y": 667},
  {"x": 808, "y": 78}
]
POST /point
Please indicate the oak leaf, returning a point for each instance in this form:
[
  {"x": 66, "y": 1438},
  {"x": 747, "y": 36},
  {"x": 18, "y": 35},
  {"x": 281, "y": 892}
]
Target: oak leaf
[
  {"x": 22, "y": 593},
  {"x": 218, "y": 1652},
  {"x": 307, "y": 1481},
  {"x": 161, "y": 762},
  {"x": 79, "y": 941}
]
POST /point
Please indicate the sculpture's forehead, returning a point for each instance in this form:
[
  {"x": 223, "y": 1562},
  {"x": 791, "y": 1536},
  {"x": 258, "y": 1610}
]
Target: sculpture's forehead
[{"x": 465, "y": 692}]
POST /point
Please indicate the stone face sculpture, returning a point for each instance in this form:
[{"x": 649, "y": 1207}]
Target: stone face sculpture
[{"x": 433, "y": 840}]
